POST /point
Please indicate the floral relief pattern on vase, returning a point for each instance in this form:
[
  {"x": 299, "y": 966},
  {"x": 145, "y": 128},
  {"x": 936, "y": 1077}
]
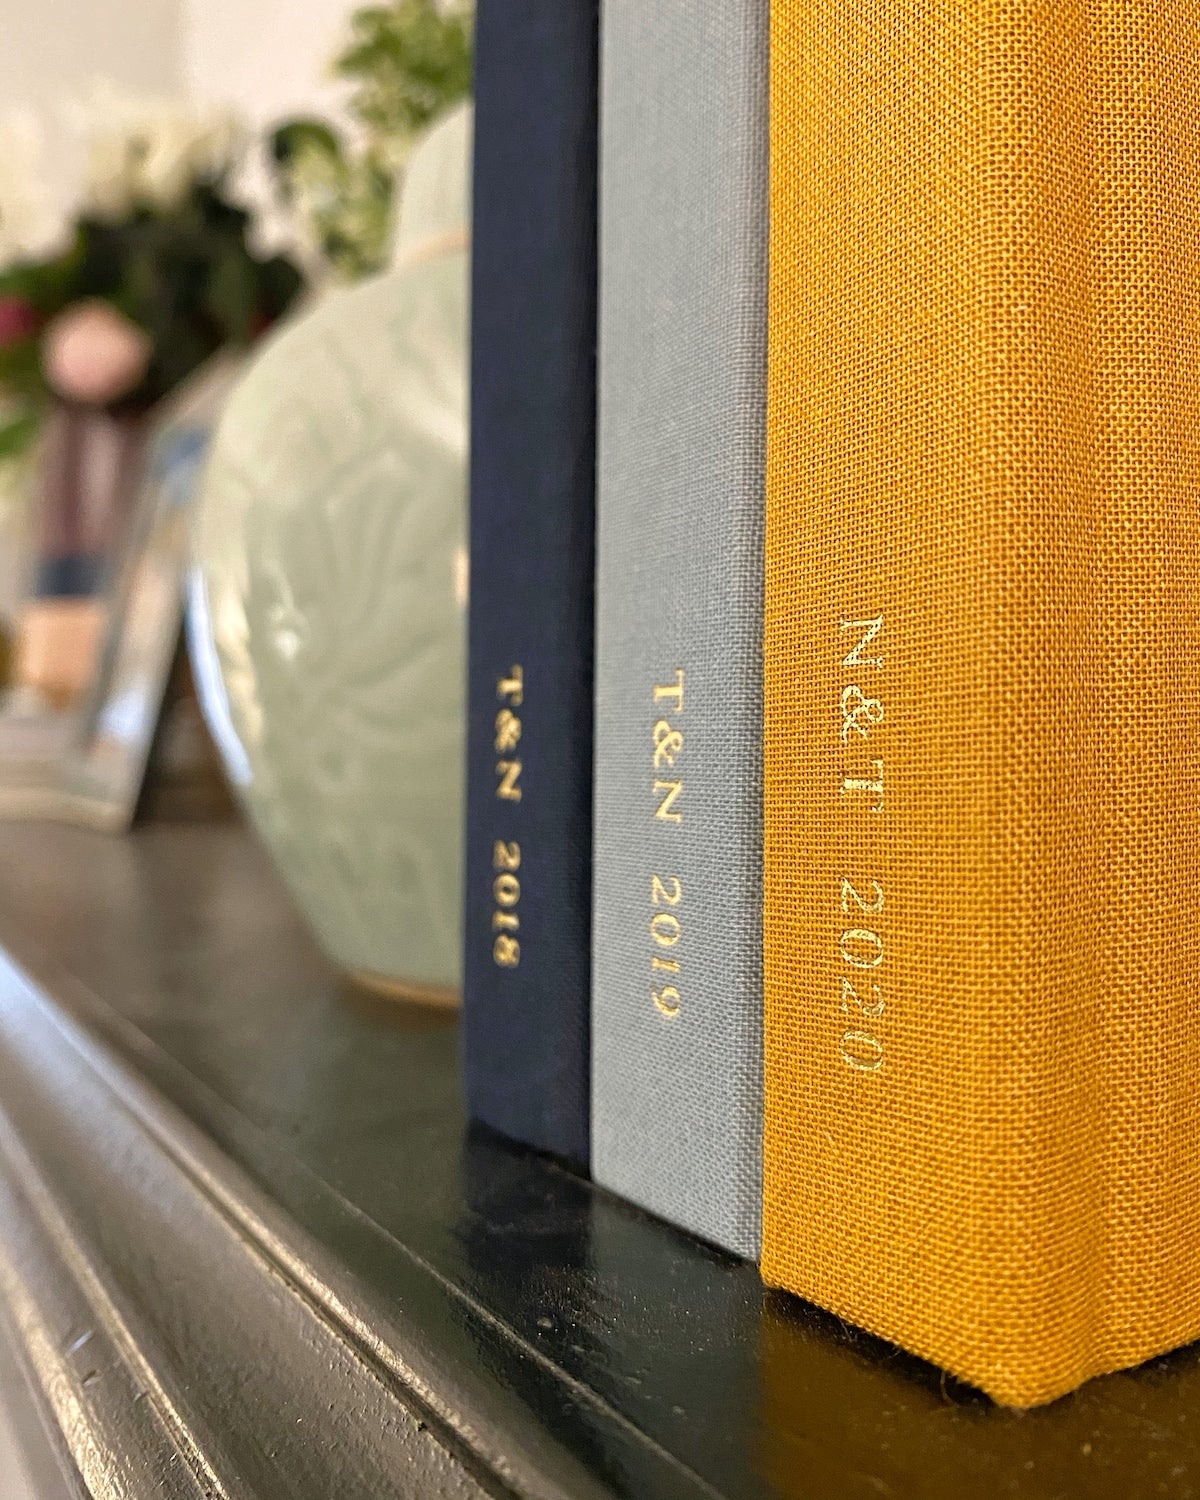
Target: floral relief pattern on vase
[{"x": 328, "y": 629}]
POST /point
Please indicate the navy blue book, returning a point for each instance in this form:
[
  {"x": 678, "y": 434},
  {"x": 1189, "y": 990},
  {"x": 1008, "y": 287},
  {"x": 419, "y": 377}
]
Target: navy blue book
[{"x": 526, "y": 974}]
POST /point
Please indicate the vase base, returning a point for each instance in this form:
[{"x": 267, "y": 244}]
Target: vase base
[{"x": 382, "y": 987}]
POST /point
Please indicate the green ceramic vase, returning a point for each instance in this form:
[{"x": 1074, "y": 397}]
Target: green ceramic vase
[{"x": 327, "y": 620}]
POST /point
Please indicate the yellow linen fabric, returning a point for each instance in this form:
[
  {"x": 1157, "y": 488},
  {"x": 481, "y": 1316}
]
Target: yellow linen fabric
[{"x": 982, "y": 828}]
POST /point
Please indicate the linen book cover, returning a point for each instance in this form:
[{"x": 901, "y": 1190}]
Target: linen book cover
[
  {"x": 677, "y": 1009},
  {"x": 533, "y": 397},
  {"x": 982, "y": 833}
]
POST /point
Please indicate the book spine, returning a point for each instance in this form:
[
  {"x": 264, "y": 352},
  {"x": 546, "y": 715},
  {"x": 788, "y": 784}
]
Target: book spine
[
  {"x": 677, "y": 1003},
  {"x": 528, "y": 856},
  {"x": 983, "y": 470}
]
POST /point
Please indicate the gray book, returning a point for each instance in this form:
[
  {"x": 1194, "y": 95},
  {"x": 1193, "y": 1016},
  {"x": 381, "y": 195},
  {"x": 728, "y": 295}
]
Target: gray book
[{"x": 677, "y": 943}]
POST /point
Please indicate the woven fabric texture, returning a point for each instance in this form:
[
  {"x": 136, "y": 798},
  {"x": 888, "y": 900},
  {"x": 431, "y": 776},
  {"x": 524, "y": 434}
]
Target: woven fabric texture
[
  {"x": 528, "y": 887},
  {"x": 981, "y": 821},
  {"x": 677, "y": 1083}
]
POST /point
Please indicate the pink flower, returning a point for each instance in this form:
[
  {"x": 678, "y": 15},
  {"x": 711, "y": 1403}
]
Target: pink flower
[
  {"x": 18, "y": 321},
  {"x": 92, "y": 353}
]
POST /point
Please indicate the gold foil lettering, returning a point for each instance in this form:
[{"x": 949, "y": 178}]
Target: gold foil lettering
[
  {"x": 849, "y": 992},
  {"x": 667, "y": 1001},
  {"x": 664, "y": 812},
  {"x": 506, "y": 892},
  {"x": 666, "y": 929},
  {"x": 512, "y": 687},
  {"x": 675, "y": 691},
  {"x": 668, "y": 743},
  {"x": 859, "y": 713},
  {"x": 862, "y": 1051},
  {"x": 508, "y": 732},
  {"x": 861, "y": 948},
  {"x": 509, "y": 772},
  {"x": 506, "y": 854},
  {"x": 659, "y": 892},
  {"x": 867, "y": 784},
  {"x": 506, "y": 951},
  {"x": 874, "y": 906},
  {"x": 868, "y": 629}
]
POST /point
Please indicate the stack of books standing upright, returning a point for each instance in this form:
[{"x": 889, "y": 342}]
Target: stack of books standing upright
[{"x": 832, "y": 824}]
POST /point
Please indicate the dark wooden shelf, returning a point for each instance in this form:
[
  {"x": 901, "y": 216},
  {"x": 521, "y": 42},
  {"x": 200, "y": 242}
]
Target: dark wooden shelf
[{"x": 249, "y": 1248}]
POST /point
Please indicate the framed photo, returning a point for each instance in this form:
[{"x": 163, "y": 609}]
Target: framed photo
[{"x": 96, "y": 761}]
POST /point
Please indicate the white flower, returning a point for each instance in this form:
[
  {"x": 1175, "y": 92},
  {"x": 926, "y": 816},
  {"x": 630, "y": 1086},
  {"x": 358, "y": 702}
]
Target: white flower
[
  {"x": 144, "y": 151},
  {"x": 276, "y": 228},
  {"x": 29, "y": 226}
]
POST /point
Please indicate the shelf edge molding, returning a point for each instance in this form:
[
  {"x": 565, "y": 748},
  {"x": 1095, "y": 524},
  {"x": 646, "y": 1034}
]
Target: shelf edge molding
[{"x": 177, "y": 1334}]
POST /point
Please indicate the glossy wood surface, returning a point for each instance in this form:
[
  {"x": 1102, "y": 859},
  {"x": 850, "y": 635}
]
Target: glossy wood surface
[{"x": 273, "y": 1185}]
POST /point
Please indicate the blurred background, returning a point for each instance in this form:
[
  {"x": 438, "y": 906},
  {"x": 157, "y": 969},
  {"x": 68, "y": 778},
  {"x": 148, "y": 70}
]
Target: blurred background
[
  {"x": 80, "y": 83},
  {"x": 261, "y": 59},
  {"x": 233, "y": 355},
  {"x": 175, "y": 177}
]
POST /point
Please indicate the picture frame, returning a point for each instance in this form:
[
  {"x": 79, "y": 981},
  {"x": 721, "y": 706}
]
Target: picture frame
[{"x": 93, "y": 763}]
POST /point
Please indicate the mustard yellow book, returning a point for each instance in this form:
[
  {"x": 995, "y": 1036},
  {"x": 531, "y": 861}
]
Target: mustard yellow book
[{"x": 982, "y": 728}]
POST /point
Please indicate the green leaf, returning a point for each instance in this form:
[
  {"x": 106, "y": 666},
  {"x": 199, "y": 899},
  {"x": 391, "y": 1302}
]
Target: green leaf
[
  {"x": 407, "y": 61},
  {"x": 410, "y": 61},
  {"x": 304, "y": 135},
  {"x": 17, "y": 435}
]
